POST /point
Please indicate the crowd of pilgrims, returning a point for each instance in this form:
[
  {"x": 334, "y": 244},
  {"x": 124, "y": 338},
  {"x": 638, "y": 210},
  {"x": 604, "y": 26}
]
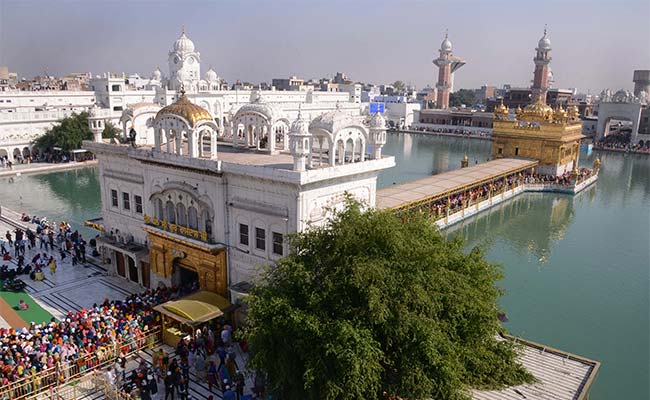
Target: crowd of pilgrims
[
  {"x": 438, "y": 208},
  {"x": 46, "y": 354},
  {"x": 43, "y": 355}
]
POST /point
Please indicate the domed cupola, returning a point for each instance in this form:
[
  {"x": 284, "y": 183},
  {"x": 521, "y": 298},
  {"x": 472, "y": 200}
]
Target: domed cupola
[
  {"x": 183, "y": 44},
  {"x": 544, "y": 43},
  {"x": 377, "y": 134},
  {"x": 446, "y": 44},
  {"x": 299, "y": 142},
  {"x": 211, "y": 76},
  {"x": 378, "y": 121},
  {"x": 184, "y": 108},
  {"x": 156, "y": 75}
]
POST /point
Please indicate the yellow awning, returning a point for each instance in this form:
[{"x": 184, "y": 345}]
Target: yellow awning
[{"x": 195, "y": 308}]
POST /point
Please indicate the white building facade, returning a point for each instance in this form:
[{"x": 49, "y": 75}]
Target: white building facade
[
  {"x": 197, "y": 205},
  {"x": 115, "y": 97}
]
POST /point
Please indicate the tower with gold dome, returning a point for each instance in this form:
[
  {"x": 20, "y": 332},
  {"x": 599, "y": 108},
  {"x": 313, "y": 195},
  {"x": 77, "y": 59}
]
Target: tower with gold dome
[{"x": 551, "y": 136}]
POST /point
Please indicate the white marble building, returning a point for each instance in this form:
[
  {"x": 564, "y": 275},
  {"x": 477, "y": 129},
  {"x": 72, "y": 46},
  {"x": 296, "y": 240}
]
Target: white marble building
[
  {"x": 22, "y": 118},
  {"x": 199, "y": 203}
]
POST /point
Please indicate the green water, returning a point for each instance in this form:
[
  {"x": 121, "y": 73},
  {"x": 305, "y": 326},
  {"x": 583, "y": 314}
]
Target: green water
[
  {"x": 576, "y": 267},
  {"x": 71, "y": 196}
]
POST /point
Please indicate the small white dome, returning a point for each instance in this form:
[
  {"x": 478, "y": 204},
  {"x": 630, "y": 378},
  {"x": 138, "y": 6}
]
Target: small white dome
[
  {"x": 156, "y": 75},
  {"x": 211, "y": 76},
  {"x": 378, "y": 121},
  {"x": 446, "y": 44},
  {"x": 544, "y": 43},
  {"x": 300, "y": 126},
  {"x": 183, "y": 44}
]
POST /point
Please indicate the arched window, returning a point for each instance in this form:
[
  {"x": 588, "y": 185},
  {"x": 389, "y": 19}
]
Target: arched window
[
  {"x": 207, "y": 222},
  {"x": 192, "y": 218},
  {"x": 171, "y": 212},
  {"x": 182, "y": 216},
  {"x": 160, "y": 211}
]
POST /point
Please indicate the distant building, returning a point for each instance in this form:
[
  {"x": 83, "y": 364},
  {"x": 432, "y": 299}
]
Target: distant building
[
  {"x": 484, "y": 93},
  {"x": 354, "y": 89},
  {"x": 8, "y": 80},
  {"x": 340, "y": 77},
  {"x": 291, "y": 83},
  {"x": 369, "y": 92}
]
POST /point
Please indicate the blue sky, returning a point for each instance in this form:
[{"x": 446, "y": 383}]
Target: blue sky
[{"x": 596, "y": 43}]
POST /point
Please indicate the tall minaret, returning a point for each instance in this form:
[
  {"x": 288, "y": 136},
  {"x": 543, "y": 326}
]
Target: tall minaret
[
  {"x": 447, "y": 64},
  {"x": 541, "y": 81}
]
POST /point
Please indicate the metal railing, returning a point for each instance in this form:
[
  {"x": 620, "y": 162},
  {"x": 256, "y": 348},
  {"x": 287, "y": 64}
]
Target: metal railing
[{"x": 63, "y": 374}]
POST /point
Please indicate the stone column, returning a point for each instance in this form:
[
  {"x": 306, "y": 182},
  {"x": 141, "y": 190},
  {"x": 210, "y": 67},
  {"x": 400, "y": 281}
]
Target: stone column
[
  {"x": 179, "y": 143},
  {"x": 271, "y": 138},
  {"x": 213, "y": 145},
  {"x": 192, "y": 141},
  {"x": 157, "y": 138}
]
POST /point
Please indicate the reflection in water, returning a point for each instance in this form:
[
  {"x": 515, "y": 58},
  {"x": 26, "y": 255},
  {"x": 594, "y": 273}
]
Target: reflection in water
[
  {"x": 61, "y": 196},
  {"x": 531, "y": 223}
]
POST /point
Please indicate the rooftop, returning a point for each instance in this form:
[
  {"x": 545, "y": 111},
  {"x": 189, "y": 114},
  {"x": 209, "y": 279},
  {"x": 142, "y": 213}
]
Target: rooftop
[
  {"x": 241, "y": 160},
  {"x": 449, "y": 182},
  {"x": 560, "y": 375}
]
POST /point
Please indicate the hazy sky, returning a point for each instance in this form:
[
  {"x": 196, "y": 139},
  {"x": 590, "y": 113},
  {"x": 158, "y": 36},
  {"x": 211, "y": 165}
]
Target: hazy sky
[{"x": 596, "y": 43}]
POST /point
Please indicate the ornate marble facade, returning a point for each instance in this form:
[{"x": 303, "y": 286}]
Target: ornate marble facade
[{"x": 218, "y": 207}]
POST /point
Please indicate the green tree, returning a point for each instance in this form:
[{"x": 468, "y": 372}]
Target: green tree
[
  {"x": 399, "y": 86},
  {"x": 110, "y": 131},
  {"x": 67, "y": 134},
  {"x": 462, "y": 97},
  {"x": 372, "y": 303}
]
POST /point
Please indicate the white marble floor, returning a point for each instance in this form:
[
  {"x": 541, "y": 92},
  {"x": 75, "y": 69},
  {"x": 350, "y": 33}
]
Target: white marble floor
[{"x": 71, "y": 288}]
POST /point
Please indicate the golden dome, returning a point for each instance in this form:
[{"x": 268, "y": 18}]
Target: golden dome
[
  {"x": 501, "y": 111},
  {"x": 183, "y": 107},
  {"x": 573, "y": 112},
  {"x": 559, "y": 114},
  {"x": 537, "y": 111}
]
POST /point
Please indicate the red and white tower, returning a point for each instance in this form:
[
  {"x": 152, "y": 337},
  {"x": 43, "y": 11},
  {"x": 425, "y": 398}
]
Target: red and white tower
[
  {"x": 541, "y": 80},
  {"x": 447, "y": 64}
]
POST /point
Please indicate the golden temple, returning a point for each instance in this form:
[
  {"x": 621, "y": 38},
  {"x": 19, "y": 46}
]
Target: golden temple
[{"x": 538, "y": 132}]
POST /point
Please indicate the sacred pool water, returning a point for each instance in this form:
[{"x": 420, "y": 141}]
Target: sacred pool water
[{"x": 576, "y": 267}]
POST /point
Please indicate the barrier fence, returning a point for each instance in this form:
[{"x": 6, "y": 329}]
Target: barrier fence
[{"x": 63, "y": 376}]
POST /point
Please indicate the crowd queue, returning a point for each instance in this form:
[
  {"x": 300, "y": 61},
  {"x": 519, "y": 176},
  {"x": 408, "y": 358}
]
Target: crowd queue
[
  {"x": 47, "y": 354},
  {"x": 450, "y": 204}
]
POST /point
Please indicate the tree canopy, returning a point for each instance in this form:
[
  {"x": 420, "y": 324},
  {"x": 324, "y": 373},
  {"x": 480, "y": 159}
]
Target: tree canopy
[
  {"x": 399, "y": 86},
  {"x": 67, "y": 134},
  {"x": 462, "y": 97},
  {"x": 371, "y": 303},
  {"x": 110, "y": 131}
]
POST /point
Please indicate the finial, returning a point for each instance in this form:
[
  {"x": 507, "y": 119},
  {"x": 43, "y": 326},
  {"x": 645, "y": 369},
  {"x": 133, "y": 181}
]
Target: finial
[
  {"x": 183, "y": 29},
  {"x": 446, "y": 33},
  {"x": 545, "y": 28},
  {"x": 338, "y": 105},
  {"x": 182, "y": 89},
  {"x": 299, "y": 110}
]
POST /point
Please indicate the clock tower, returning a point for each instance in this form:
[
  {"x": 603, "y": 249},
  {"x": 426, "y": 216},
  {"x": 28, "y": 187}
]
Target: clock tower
[{"x": 184, "y": 65}]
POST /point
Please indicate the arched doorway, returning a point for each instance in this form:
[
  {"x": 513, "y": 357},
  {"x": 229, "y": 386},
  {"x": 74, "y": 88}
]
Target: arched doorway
[
  {"x": 184, "y": 275},
  {"x": 4, "y": 153}
]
